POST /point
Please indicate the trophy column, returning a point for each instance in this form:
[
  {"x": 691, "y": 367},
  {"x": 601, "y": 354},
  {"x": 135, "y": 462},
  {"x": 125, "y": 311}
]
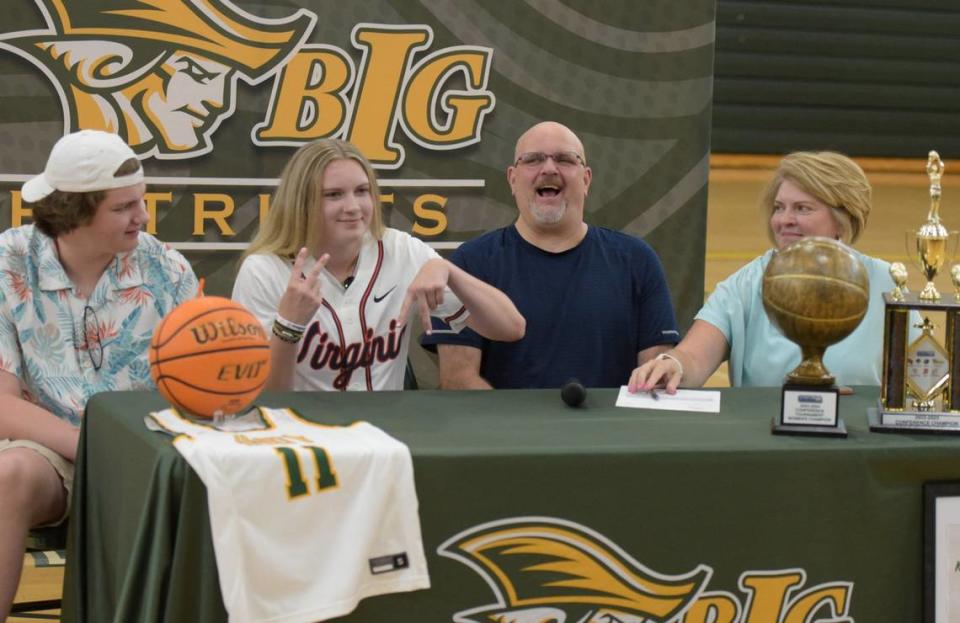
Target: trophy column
[
  {"x": 953, "y": 347},
  {"x": 894, "y": 356}
]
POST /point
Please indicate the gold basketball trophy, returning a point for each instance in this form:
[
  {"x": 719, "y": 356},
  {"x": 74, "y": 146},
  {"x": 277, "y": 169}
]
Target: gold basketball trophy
[
  {"x": 920, "y": 389},
  {"x": 816, "y": 292}
]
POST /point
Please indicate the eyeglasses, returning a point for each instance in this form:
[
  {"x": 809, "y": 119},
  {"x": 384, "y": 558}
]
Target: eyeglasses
[
  {"x": 563, "y": 159},
  {"x": 91, "y": 337}
]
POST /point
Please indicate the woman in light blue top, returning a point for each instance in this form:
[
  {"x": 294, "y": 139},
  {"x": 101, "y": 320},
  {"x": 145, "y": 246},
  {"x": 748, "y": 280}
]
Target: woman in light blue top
[{"x": 811, "y": 194}]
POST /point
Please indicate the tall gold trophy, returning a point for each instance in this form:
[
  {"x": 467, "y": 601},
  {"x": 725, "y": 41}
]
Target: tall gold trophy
[{"x": 921, "y": 374}]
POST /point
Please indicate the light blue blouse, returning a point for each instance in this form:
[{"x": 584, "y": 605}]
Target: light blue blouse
[{"x": 761, "y": 356}]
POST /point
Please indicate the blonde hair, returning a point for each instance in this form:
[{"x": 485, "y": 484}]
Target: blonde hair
[
  {"x": 834, "y": 179},
  {"x": 295, "y": 219}
]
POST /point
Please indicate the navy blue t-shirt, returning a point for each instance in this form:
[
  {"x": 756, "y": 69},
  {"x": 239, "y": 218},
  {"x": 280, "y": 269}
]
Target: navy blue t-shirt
[{"x": 589, "y": 309}]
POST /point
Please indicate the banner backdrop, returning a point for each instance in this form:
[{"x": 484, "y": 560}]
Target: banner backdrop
[{"x": 214, "y": 96}]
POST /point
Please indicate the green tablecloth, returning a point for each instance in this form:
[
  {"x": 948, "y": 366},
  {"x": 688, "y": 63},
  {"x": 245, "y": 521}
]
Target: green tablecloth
[{"x": 673, "y": 491}]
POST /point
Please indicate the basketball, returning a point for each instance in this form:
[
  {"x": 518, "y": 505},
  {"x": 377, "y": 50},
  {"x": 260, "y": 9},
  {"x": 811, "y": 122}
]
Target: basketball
[
  {"x": 816, "y": 291},
  {"x": 210, "y": 356}
]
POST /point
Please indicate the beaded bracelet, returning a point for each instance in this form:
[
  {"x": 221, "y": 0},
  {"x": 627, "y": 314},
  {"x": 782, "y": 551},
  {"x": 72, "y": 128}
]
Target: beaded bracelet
[
  {"x": 663, "y": 356},
  {"x": 286, "y": 334}
]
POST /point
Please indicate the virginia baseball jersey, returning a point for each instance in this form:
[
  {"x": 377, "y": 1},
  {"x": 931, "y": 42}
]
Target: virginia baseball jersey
[
  {"x": 353, "y": 342},
  {"x": 306, "y": 519}
]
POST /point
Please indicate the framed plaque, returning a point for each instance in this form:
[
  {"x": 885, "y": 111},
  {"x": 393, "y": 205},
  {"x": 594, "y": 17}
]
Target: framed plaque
[{"x": 941, "y": 552}]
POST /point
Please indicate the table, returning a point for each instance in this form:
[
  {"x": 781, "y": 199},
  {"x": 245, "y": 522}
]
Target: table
[{"x": 762, "y": 518}]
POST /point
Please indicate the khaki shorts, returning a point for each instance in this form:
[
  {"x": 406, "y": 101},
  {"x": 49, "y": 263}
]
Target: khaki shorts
[{"x": 62, "y": 466}]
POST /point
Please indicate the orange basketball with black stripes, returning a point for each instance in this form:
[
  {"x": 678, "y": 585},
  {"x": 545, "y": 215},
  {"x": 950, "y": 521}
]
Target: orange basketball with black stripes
[{"x": 210, "y": 356}]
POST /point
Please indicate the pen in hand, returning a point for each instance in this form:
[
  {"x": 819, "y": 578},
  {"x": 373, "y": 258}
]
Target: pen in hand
[{"x": 653, "y": 394}]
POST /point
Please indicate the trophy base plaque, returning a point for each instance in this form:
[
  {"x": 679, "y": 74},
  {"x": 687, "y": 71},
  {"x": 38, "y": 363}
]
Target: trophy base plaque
[
  {"x": 809, "y": 410},
  {"x": 931, "y": 422}
]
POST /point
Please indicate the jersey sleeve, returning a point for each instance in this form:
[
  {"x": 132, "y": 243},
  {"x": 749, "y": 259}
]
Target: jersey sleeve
[
  {"x": 451, "y": 313},
  {"x": 259, "y": 286},
  {"x": 443, "y": 332}
]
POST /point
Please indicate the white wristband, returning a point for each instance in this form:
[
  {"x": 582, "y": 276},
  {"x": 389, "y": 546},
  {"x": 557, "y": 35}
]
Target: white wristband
[
  {"x": 289, "y": 324},
  {"x": 662, "y": 356}
]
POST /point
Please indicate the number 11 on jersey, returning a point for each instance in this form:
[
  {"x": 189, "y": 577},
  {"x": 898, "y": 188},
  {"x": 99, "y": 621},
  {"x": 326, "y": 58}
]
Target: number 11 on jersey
[{"x": 296, "y": 484}]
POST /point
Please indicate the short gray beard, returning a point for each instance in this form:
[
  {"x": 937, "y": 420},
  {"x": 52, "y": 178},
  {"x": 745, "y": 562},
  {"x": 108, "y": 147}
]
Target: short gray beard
[{"x": 544, "y": 216}]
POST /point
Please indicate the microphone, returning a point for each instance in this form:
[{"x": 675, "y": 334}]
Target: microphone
[{"x": 573, "y": 393}]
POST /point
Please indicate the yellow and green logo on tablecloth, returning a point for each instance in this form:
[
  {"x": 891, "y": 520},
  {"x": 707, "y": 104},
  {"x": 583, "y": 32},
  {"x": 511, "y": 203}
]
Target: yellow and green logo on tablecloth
[{"x": 549, "y": 569}]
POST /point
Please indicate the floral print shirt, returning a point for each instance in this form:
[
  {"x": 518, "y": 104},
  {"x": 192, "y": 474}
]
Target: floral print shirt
[{"x": 65, "y": 348}]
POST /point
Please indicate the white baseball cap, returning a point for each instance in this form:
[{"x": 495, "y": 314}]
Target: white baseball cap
[{"x": 82, "y": 162}]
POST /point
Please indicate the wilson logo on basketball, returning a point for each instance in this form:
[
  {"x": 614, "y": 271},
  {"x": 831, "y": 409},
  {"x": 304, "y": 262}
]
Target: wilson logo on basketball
[
  {"x": 210, "y": 356},
  {"x": 226, "y": 330}
]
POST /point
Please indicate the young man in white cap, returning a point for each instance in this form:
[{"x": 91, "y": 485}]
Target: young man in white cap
[{"x": 80, "y": 293}]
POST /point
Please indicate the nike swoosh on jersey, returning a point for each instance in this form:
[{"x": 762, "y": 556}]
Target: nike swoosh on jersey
[{"x": 377, "y": 299}]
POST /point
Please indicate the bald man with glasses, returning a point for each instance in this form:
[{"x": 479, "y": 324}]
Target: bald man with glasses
[{"x": 595, "y": 300}]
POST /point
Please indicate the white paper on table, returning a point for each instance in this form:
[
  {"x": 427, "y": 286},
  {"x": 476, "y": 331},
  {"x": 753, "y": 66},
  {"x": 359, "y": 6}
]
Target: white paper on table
[{"x": 699, "y": 400}]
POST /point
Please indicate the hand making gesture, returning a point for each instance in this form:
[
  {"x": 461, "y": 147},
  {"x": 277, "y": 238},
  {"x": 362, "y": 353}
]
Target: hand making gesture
[
  {"x": 427, "y": 290},
  {"x": 303, "y": 295}
]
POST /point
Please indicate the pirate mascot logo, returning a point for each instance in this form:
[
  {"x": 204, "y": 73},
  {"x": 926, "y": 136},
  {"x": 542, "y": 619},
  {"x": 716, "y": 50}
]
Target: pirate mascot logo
[
  {"x": 161, "y": 73},
  {"x": 547, "y": 569}
]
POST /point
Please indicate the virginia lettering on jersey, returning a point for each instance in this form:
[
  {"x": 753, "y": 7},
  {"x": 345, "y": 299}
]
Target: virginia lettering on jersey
[{"x": 325, "y": 353}]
